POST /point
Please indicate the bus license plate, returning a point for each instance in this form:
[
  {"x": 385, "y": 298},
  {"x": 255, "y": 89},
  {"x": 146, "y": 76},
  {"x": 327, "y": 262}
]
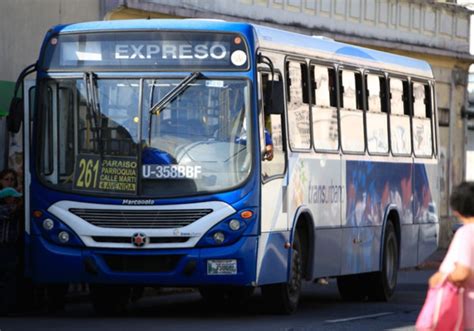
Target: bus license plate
[{"x": 221, "y": 267}]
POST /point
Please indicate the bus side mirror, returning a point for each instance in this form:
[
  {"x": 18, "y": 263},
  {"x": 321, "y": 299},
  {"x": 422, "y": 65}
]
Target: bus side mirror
[
  {"x": 274, "y": 102},
  {"x": 15, "y": 115}
]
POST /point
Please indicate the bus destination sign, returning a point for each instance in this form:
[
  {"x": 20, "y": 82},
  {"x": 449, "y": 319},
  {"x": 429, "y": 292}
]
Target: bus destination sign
[
  {"x": 106, "y": 174},
  {"x": 152, "y": 50}
]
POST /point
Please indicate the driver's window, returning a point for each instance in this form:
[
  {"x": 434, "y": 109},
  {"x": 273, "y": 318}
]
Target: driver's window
[{"x": 271, "y": 132}]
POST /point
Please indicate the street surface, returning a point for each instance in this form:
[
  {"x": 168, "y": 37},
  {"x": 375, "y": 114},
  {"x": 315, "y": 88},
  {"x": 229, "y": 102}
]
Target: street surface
[{"x": 320, "y": 309}]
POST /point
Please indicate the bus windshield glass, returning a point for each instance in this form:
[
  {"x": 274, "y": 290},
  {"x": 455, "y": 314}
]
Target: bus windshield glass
[{"x": 99, "y": 136}]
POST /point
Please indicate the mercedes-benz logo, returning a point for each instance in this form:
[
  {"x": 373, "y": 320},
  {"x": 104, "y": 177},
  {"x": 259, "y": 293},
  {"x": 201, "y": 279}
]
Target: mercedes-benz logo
[{"x": 139, "y": 239}]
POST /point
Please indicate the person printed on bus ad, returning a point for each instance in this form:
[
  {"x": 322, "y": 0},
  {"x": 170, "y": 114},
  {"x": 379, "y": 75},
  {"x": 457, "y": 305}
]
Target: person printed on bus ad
[{"x": 458, "y": 263}]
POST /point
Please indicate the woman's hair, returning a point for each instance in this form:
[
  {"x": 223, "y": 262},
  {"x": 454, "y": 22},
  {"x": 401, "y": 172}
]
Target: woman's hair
[
  {"x": 6, "y": 172},
  {"x": 462, "y": 199}
]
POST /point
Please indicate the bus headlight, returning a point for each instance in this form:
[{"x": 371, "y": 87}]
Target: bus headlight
[
  {"x": 219, "y": 237},
  {"x": 63, "y": 237},
  {"x": 48, "y": 224}
]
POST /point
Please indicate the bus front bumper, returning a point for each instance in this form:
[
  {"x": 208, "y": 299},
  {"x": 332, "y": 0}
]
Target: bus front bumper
[{"x": 51, "y": 263}]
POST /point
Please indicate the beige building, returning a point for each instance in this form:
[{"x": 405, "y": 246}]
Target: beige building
[{"x": 23, "y": 25}]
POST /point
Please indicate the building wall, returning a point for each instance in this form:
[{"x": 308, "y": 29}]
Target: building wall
[{"x": 23, "y": 25}]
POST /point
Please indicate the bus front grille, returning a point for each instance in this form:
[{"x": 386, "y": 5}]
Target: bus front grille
[
  {"x": 128, "y": 240},
  {"x": 141, "y": 219}
]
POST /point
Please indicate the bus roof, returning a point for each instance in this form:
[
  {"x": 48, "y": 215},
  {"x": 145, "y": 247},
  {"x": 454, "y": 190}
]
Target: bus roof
[{"x": 270, "y": 38}]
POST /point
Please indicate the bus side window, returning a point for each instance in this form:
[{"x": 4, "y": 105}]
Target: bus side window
[
  {"x": 377, "y": 127},
  {"x": 352, "y": 115},
  {"x": 66, "y": 131},
  {"x": 400, "y": 136},
  {"x": 422, "y": 128},
  {"x": 298, "y": 109},
  {"x": 271, "y": 134},
  {"x": 324, "y": 112}
]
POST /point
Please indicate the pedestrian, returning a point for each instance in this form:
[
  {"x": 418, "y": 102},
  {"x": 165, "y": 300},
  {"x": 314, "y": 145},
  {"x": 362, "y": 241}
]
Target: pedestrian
[
  {"x": 9, "y": 192},
  {"x": 458, "y": 264},
  {"x": 8, "y": 178},
  {"x": 11, "y": 204}
]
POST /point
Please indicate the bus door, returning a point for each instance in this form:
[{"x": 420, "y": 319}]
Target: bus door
[
  {"x": 272, "y": 257},
  {"x": 29, "y": 92},
  {"x": 274, "y": 187}
]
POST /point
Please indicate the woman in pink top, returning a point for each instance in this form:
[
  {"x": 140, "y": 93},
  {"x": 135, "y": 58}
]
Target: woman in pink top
[{"x": 459, "y": 260}]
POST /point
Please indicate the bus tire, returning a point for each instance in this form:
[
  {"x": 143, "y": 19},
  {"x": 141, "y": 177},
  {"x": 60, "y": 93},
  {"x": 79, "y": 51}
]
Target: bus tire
[
  {"x": 110, "y": 299},
  {"x": 385, "y": 280},
  {"x": 283, "y": 298}
]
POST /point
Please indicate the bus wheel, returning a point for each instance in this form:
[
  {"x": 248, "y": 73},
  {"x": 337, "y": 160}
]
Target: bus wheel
[
  {"x": 110, "y": 299},
  {"x": 385, "y": 280},
  {"x": 283, "y": 298}
]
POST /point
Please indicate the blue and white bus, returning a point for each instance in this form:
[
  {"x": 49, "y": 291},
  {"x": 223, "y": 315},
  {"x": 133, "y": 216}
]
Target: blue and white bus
[{"x": 224, "y": 156}]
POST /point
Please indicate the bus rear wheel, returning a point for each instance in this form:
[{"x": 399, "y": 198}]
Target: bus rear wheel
[
  {"x": 385, "y": 280},
  {"x": 283, "y": 298},
  {"x": 110, "y": 299},
  {"x": 377, "y": 286}
]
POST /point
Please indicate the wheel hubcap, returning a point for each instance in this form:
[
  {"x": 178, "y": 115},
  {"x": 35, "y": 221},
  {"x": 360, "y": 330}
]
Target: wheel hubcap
[{"x": 391, "y": 263}]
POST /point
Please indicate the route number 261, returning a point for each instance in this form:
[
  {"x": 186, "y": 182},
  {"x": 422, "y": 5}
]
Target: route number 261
[{"x": 88, "y": 173}]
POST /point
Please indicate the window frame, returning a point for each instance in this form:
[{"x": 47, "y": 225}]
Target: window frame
[
  {"x": 410, "y": 116},
  {"x": 435, "y": 124},
  {"x": 357, "y": 70},
  {"x": 300, "y": 60},
  {"x": 284, "y": 137},
  {"x": 386, "y": 100},
  {"x": 333, "y": 66},
  {"x": 425, "y": 83}
]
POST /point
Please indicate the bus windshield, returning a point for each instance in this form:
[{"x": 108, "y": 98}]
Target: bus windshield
[{"x": 100, "y": 136}]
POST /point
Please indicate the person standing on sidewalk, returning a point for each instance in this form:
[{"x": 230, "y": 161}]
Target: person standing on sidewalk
[{"x": 458, "y": 263}]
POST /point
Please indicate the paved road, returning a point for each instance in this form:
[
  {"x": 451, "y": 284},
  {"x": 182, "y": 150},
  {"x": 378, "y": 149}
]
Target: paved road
[{"x": 320, "y": 309}]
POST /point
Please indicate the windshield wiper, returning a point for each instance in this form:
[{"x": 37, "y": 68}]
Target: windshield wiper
[
  {"x": 158, "y": 107},
  {"x": 174, "y": 93},
  {"x": 93, "y": 105}
]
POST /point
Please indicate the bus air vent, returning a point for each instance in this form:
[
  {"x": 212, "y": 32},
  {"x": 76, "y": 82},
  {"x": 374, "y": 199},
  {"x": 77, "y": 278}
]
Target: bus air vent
[
  {"x": 127, "y": 240},
  {"x": 140, "y": 219}
]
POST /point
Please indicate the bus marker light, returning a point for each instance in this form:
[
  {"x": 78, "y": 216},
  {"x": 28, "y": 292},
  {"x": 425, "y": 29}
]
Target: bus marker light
[
  {"x": 234, "y": 225},
  {"x": 237, "y": 40},
  {"x": 287, "y": 245},
  {"x": 37, "y": 213},
  {"x": 246, "y": 214},
  {"x": 48, "y": 224},
  {"x": 63, "y": 237}
]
